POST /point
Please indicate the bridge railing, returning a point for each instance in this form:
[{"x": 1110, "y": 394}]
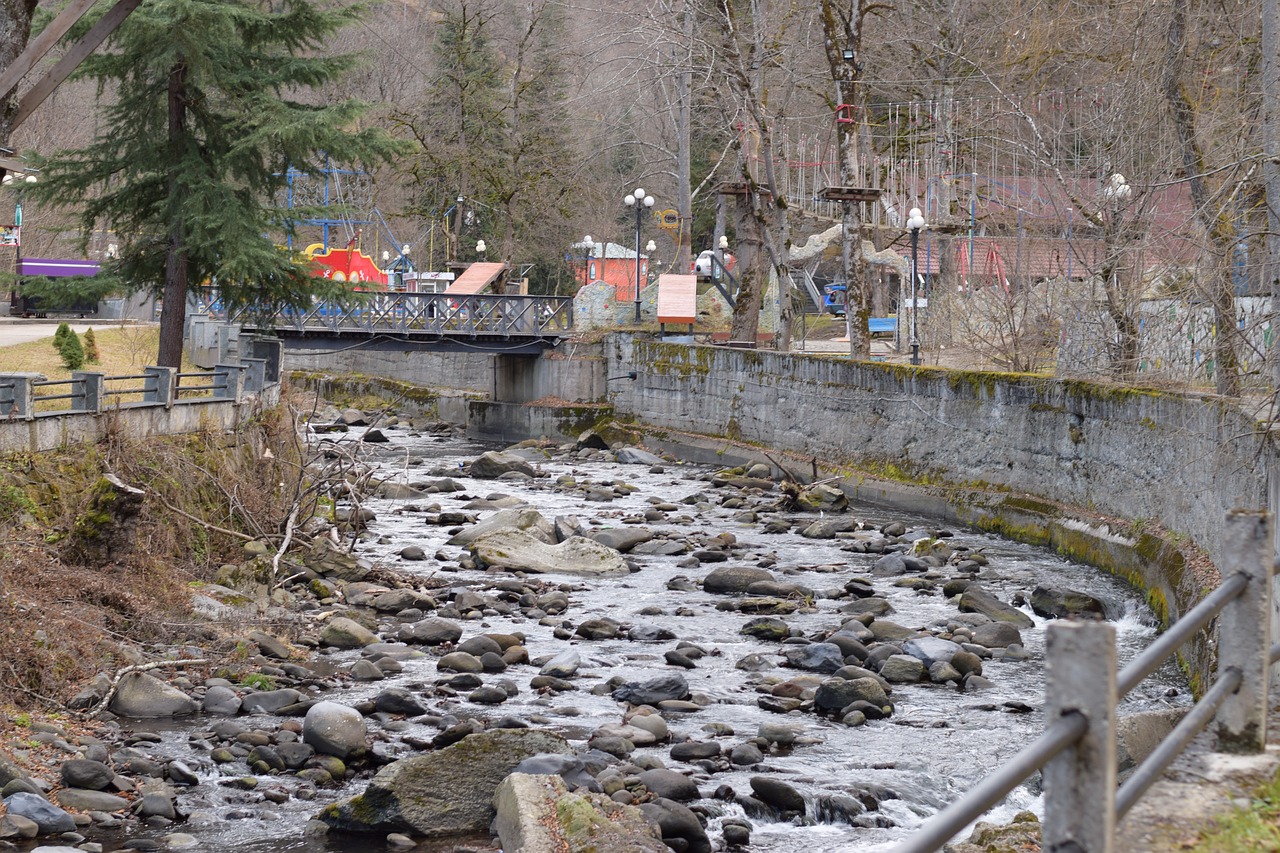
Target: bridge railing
[
  {"x": 1077, "y": 752},
  {"x": 429, "y": 313}
]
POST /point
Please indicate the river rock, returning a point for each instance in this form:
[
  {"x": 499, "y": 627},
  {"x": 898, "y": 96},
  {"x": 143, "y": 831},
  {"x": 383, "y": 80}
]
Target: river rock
[
  {"x": 563, "y": 665},
  {"x": 270, "y": 701},
  {"x": 636, "y": 456},
  {"x": 399, "y": 700},
  {"x": 459, "y": 662},
  {"x": 334, "y": 729},
  {"x": 975, "y": 599},
  {"x": 539, "y": 813},
  {"x": 1054, "y": 603},
  {"x": 327, "y": 559},
  {"x": 767, "y": 628},
  {"x": 902, "y": 669},
  {"x": 777, "y": 794},
  {"x": 444, "y": 793},
  {"x": 815, "y": 657},
  {"x": 827, "y": 528},
  {"x": 432, "y": 631},
  {"x": 528, "y": 521},
  {"x": 43, "y": 813},
  {"x": 621, "y": 538},
  {"x": 83, "y": 773},
  {"x": 220, "y": 701},
  {"x": 670, "y": 784},
  {"x": 344, "y": 633},
  {"x": 139, "y": 694},
  {"x": 85, "y": 800},
  {"x": 732, "y": 580},
  {"x": 492, "y": 464},
  {"x": 598, "y": 629},
  {"x": 837, "y": 693},
  {"x": 653, "y": 691},
  {"x": 518, "y": 551},
  {"x": 680, "y": 827},
  {"x": 931, "y": 649},
  {"x": 997, "y": 635}
]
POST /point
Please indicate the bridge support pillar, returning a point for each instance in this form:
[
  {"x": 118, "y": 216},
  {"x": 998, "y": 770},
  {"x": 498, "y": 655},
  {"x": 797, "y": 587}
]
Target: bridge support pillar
[{"x": 515, "y": 379}]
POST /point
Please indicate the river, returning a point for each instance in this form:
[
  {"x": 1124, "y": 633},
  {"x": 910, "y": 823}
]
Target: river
[{"x": 938, "y": 742}]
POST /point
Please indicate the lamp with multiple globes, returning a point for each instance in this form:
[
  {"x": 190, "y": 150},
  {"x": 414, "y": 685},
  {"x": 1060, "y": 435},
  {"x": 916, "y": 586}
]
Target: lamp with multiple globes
[{"x": 641, "y": 202}]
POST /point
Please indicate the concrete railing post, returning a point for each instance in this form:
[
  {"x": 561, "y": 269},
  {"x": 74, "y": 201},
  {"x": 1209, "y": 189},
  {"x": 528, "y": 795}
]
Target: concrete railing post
[
  {"x": 160, "y": 385},
  {"x": 17, "y": 399},
  {"x": 228, "y": 382},
  {"x": 1244, "y": 632},
  {"x": 1080, "y": 783},
  {"x": 255, "y": 374},
  {"x": 92, "y": 384},
  {"x": 269, "y": 350}
]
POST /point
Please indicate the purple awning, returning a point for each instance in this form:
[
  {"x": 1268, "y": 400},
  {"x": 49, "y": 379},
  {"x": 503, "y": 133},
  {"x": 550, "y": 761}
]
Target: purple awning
[{"x": 56, "y": 268}]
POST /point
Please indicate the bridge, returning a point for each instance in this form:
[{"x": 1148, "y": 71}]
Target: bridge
[{"x": 514, "y": 325}]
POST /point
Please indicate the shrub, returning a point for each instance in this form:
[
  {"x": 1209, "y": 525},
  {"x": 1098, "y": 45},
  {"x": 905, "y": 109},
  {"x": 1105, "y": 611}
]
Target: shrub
[
  {"x": 91, "y": 353},
  {"x": 71, "y": 351},
  {"x": 61, "y": 335}
]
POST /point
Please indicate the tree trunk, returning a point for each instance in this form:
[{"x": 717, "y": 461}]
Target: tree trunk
[
  {"x": 173, "y": 315},
  {"x": 1217, "y": 227},
  {"x": 1270, "y": 166},
  {"x": 683, "y": 260},
  {"x": 15, "y": 32},
  {"x": 746, "y": 312}
]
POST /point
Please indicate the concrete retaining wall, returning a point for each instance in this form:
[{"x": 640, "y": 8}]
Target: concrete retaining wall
[
  {"x": 65, "y": 429},
  {"x": 1183, "y": 461}
]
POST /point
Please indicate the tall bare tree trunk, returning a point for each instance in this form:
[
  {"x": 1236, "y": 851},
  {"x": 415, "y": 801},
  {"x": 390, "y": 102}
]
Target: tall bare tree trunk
[
  {"x": 683, "y": 261},
  {"x": 1216, "y": 224},
  {"x": 1271, "y": 168}
]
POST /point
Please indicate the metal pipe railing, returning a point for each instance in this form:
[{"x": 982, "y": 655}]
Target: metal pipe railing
[
  {"x": 1082, "y": 803},
  {"x": 1200, "y": 715},
  {"x": 1060, "y": 735},
  {"x": 1171, "y": 640}
]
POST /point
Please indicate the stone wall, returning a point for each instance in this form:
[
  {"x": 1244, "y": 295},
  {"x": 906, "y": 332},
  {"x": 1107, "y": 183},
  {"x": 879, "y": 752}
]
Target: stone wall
[{"x": 1183, "y": 461}]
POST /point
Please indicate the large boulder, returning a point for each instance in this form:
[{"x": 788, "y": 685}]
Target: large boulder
[
  {"x": 526, "y": 520},
  {"x": 621, "y": 538},
  {"x": 444, "y": 793},
  {"x": 334, "y": 729},
  {"x": 493, "y": 464},
  {"x": 343, "y": 633},
  {"x": 653, "y": 691},
  {"x": 44, "y": 814},
  {"x": 1055, "y": 603},
  {"x": 518, "y": 551},
  {"x": 326, "y": 558},
  {"x": 734, "y": 579},
  {"x": 538, "y": 813},
  {"x": 139, "y": 694},
  {"x": 975, "y": 599}
]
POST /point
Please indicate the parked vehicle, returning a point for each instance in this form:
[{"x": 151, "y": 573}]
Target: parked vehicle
[{"x": 703, "y": 266}]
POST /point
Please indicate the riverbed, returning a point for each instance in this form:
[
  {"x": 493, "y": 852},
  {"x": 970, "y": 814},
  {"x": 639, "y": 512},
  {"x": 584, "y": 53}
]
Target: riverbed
[{"x": 937, "y": 743}]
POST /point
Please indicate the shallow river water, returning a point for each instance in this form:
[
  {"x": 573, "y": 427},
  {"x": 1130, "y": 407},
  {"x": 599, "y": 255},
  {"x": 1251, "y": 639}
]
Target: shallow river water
[{"x": 938, "y": 743}]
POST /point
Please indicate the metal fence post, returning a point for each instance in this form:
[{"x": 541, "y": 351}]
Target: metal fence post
[
  {"x": 159, "y": 386},
  {"x": 1244, "y": 632},
  {"x": 92, "y": 383},
  {"x": 1080, "y": 784}
]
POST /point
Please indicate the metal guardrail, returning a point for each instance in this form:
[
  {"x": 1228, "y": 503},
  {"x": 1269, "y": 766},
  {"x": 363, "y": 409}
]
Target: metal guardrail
[
  {"x": 1077, "y": 752},
  {"x": 425, "y": 313},
  {"x": 20, "y": 397}
]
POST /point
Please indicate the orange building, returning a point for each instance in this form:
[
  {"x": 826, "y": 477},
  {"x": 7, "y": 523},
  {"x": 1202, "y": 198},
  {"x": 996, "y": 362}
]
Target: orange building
[{"x": 612, "y": 264}]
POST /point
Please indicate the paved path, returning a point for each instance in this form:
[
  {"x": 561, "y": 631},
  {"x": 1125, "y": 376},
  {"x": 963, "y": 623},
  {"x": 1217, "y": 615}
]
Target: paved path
[{"x": 16, "y": 331}]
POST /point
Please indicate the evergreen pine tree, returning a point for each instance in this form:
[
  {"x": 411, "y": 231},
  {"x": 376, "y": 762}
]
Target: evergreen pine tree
[
  {"x": 71, "y": 351},
  {"x": 91, "y": 353},
  {"x": 60, "y": 335},
  {"x": 194, "y": 148}
]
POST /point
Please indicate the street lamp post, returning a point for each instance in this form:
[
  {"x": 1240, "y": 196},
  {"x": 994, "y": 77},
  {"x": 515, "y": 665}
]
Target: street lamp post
[
  {"x": 588, "y": 246},
  {"x": 915, "y": 222},
  {"x": 12, "y": 180},
  {"x": 640, "y": 202}
]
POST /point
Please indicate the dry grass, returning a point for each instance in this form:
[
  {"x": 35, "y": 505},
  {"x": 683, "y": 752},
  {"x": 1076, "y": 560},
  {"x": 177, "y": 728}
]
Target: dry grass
[
  {"x": 60, "y": 622},
  {"x": 124, "y": 350}
]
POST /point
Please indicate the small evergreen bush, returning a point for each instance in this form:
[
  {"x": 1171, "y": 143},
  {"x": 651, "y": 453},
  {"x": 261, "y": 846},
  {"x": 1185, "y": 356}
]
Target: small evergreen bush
[
  {"x": 71, "y": 351},
  {"x": 60, "y": 335},
  {"x": 91, "y": 353}
]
